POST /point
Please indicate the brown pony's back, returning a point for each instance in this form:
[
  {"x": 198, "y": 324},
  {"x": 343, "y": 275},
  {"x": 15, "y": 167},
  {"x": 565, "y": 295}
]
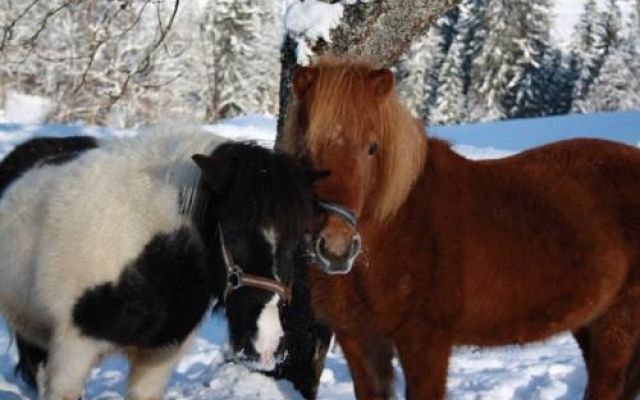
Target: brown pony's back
[
  {"x": 540, "y": 237},
  {"x": 470, "y": 252}
]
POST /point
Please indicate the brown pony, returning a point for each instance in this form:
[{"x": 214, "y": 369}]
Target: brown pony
[{"x": 448, "y": 251}]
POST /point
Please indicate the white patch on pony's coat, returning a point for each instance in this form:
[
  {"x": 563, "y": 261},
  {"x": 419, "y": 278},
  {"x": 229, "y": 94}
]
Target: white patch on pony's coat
[
  {"x": 271, "y": 236},
  {"x": 269, "y": 334},
  {"x": 67, "y": 238}
]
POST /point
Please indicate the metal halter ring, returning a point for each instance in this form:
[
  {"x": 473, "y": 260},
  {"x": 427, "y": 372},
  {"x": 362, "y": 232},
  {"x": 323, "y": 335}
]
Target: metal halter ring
[{"x": 234, "y": 277}]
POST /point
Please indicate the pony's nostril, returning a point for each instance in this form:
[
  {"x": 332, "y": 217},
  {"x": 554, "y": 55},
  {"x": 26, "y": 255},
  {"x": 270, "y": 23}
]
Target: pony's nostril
[
  {"x": 356, "y": 246},
  {"x": 320, "y": 246}
]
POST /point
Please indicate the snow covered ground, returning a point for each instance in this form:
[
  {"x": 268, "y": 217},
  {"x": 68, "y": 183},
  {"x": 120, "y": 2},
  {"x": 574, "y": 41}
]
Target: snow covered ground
[{"x": 552, "y": 370}]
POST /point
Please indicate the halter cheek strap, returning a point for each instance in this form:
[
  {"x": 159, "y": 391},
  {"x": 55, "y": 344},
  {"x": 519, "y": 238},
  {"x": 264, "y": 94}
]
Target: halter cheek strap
[
  {"x": 236, "y": 278},
  {"x": 340, "y": 211}
]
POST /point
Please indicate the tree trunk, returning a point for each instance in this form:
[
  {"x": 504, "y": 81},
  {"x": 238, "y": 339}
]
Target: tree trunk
[{"x": 380, "y": 30}]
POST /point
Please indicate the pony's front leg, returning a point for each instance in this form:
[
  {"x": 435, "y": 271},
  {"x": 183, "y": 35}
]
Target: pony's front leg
[
  {"x": 70, "y": 360},
  {"x": 369, "y": 360},
  {"x": 425, "y": 361},
  {"x": 151, "y": 369}
]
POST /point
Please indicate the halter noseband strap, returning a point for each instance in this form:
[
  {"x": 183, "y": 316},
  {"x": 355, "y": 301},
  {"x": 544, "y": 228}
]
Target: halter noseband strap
[
  {"x": 339, "y": 210},
  {"x": 236, "y": 278}
]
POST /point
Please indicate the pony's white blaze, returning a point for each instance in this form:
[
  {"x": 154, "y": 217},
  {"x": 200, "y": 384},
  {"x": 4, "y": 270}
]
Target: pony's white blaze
[
  {"x": 268, "y": 334},
  {"x": 271, "y": 236}
]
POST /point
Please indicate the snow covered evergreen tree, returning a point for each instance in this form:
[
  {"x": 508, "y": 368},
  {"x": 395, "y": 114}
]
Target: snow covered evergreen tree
[
  {"x": 232, "y": 29},
  {"x": 472, "y": 35},
  {"x": 506, "y": 71},
  {"x": 526, "y": 98},
  {"x": 634, "y": 37},
  {"x": 595, "y": 35},
  {"x": 451, "y": 102},
  {"x": 413, "y": 73},
  {"x": 585, "y": 56},
  {"x": 617, "y": 86},
  {"x": 444, "y": 33},
  {"x": 636, "y": 17},
  {"x": 557, "y": 78},
  {"x": 491, "y": 72}
]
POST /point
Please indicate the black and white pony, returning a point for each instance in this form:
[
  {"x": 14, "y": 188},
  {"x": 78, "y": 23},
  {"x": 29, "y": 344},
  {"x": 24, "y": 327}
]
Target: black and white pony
[{"x": 122, "y": 245}]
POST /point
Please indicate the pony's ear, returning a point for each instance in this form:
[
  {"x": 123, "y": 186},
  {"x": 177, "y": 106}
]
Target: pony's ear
[
  {"x": 382, "y": 81},
  {"x": 215, "y": 171},
  {"x": 303, "y": 78}
]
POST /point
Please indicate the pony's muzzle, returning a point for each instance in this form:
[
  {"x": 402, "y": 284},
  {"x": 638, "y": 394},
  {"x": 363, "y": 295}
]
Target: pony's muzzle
[{"x": 337, "y": 256}]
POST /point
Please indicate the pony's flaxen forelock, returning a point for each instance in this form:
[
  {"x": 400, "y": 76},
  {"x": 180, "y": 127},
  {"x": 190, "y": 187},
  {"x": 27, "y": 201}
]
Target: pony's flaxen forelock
[{"x": 342, "y": 97}]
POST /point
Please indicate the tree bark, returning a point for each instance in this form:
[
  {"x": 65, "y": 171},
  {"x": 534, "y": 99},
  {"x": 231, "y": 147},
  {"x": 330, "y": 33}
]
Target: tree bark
[{"x": 380, "y": 30}]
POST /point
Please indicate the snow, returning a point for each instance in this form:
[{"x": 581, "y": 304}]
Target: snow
[
  {"x": 518, "y": 134},
  {"x": 311, "y": 20},
  {"x": 25, "y": 108},
  {"x": 550, "y": 370}
]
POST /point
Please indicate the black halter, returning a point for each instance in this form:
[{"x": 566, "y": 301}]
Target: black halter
[
  {"x": 236, "y": 278},
  {"x": 340, "y": 211}
]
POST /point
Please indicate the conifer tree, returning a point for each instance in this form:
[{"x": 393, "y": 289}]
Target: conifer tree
[
  {"x": 556, "y": 75},
  {"x": 526, "y": 97},
  {"x": 413, "y": 73},
  {"x": 451, "y": 105},
  {"x": 616, "y": 87},
  {"x": 444, "y": 33},
  {"x": 471, "y": 34},
  {"x": 596, "y": 34},
  {"x": 242, "y": 55},
  {"x": 516, "y": 38}
]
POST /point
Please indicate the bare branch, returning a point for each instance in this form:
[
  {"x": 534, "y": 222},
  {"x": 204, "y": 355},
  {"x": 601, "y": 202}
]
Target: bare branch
[
  {"x": 161, "y": 84},
  {"x": 112, "y": 23},
  {"x": 7, "y": 31},
  {"x": 164, "y": 31},
  {"x": 43, "y": 23}
]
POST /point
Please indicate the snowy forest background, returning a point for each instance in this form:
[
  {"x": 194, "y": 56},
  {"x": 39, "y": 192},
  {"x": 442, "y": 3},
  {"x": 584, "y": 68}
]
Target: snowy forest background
[{"x": 121, "y": 63}]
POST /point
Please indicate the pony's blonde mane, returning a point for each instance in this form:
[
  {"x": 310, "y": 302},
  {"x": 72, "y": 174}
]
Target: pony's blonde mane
[{"x": 342, "y": 96}]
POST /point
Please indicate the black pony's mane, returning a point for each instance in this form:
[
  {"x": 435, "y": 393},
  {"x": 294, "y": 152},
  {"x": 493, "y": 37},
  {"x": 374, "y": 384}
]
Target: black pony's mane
[{"x": 261, "y": 186}]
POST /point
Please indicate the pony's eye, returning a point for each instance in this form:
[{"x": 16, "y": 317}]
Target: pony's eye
[{"x": 373, "y": 148}]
